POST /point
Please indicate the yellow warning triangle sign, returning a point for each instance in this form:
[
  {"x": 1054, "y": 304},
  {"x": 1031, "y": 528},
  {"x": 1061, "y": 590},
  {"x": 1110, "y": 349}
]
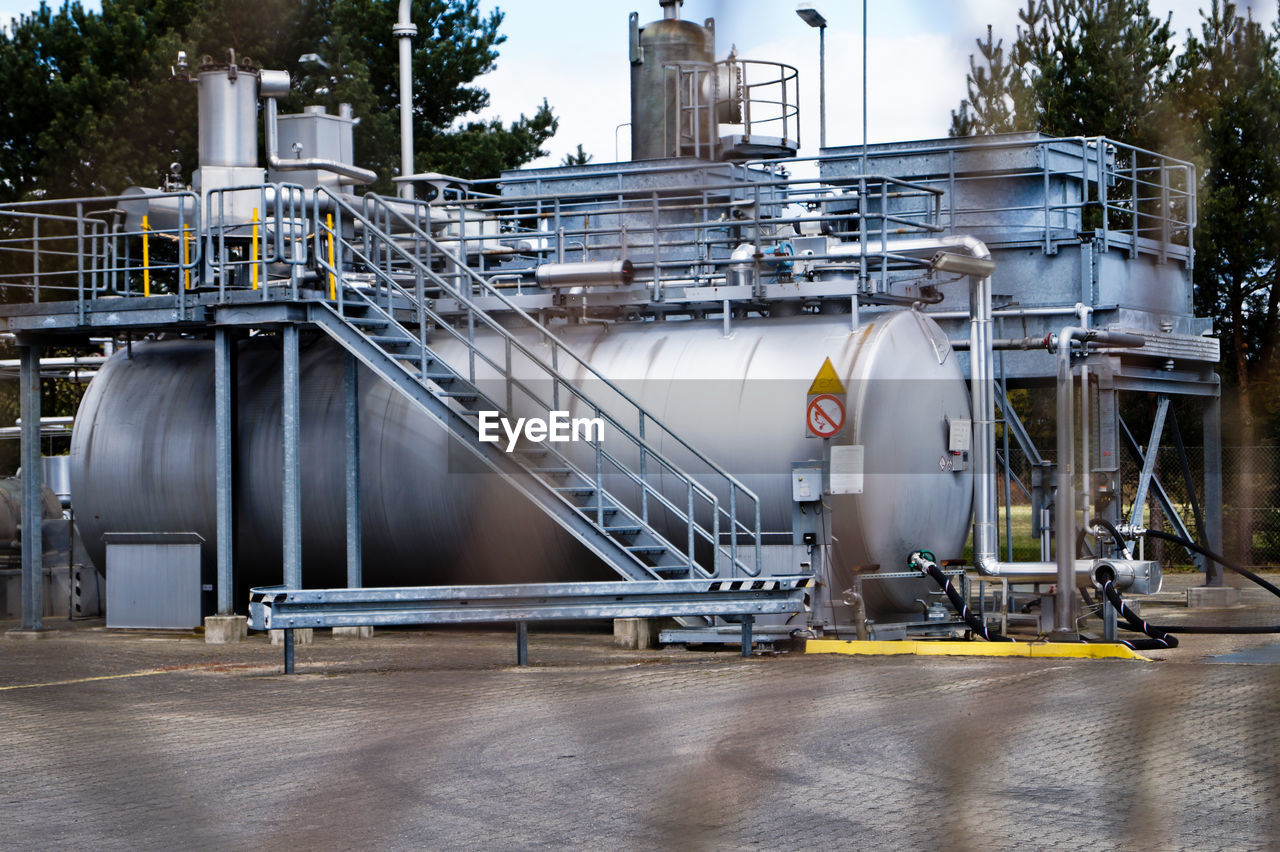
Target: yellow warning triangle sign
[{"x": 827, "y": 381}]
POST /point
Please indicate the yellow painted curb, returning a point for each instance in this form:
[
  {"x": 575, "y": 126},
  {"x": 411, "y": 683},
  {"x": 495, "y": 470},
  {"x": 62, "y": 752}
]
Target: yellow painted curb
[{"x": 929, "y": 648}]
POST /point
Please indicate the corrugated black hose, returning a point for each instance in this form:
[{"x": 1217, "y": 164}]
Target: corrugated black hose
[
  {"x": 1160, "y": 637},
  {"x": 926, "y": 563},
  {"x": 1209, "y": 554}
]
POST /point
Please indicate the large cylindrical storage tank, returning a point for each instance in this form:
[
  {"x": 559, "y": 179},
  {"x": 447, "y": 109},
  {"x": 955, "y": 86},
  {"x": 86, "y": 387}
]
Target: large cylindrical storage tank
[
  {"x": 143, "y": 461},
  {"x": 655, "y": 123},
  {"x": 143, "y": 448}
]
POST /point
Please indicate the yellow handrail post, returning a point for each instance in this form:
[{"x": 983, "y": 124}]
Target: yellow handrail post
[
  {"x": 146, "y": 257},
  {"x": 253, "y": 250},
  {"x": 186, "y": 255},
  {"x": 333, "y": 279}
]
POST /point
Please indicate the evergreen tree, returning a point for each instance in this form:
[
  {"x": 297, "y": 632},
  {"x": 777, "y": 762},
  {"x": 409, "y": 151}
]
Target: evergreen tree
[
  {"x": 89, "y": 105},
  {"x": 1223, "y": 114},
  {"x": 990, "y": 106},
  {"x": 1077, "y": 68},
  {"x": 578, "y": 158}
]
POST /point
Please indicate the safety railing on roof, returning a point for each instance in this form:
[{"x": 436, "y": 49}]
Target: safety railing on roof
[
  {"x": 685, "y": 234},
  {"x": 85, "y": 248},
  {"x": 1048, "y": 190}
]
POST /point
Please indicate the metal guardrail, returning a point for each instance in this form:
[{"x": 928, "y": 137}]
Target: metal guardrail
[{"x": 280, "y": 608}]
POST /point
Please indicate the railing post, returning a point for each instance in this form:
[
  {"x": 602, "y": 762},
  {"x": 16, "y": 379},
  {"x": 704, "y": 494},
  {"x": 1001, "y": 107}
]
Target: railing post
[
  {"x": 1102, "y": 193},
  {"x": 733, "y": 531},
  {"x": 644, "y": 478},
  {"x": 692, "y": 529},
  {"x": 1133, "y": 183},
  {"x": 1048, "y": 225},
  {"x": 657, "y": 251},
  {"x": 599, "y": 476},
  {"x": 80, "y": 306},
  {"x": 35, "y": 259}
]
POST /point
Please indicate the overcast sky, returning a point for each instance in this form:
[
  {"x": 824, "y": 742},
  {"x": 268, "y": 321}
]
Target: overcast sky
[{"x": 574, "y": 53}]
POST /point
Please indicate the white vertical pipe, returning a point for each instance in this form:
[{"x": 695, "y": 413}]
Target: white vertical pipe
[{"x": 405, "y": 30}]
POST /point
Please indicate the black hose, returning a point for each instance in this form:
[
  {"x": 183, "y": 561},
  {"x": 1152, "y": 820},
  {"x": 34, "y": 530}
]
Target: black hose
[
  {"x": 921, "y": 561},
  {"x": 1160, "y": 637},
  {"x": 1115, "y": 533},
  {"x": 1134, "y": 621},
  {"x": 1221, "y": 560}
]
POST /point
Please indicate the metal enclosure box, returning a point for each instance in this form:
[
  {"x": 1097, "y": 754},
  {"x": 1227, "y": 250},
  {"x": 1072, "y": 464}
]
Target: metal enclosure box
[
  {"x": 315, "y": 133},
  {"x": 154, "y": 580}
]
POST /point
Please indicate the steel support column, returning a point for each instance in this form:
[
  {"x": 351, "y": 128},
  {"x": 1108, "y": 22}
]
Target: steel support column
[
  {"x": 224, "y": 378},
  {"x": 1108, "y": 468},
  {"x": 291, "y": 485},
  {"x": 351, "y": 434},
  {"x": 32, "y": 482},
  {"x": 1213, "y": 487}
]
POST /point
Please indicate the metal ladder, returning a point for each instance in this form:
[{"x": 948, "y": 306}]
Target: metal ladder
[{"x": 382, "y": 293}]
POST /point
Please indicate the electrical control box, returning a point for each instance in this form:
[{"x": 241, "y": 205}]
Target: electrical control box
[
  {"x": 806, "y": 484},
  {"x": 959, "y": 443}
]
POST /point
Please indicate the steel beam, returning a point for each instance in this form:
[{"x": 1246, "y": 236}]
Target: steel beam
[
  {"x": 1170, "y": 511},
  {"x": 32, "y": 486},
  {"x": 291, "y": 484},
  {"x": 1149, "y": 463},
  {"x": 1213, "y": 487},
  {"x": 351, "y": 456},
  {"x": 224, "y": 379}
]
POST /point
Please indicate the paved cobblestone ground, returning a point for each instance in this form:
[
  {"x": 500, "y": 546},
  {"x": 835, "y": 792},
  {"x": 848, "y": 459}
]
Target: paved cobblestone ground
[{"x": 431, "y": 739}]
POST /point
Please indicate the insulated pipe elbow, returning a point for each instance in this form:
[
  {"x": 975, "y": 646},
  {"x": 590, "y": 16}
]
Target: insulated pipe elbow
[{"x": 353, "y": 174}]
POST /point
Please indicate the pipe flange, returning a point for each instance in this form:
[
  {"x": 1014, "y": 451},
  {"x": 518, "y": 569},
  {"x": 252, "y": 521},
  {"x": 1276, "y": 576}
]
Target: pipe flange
[{"x": 404, "y": 30}]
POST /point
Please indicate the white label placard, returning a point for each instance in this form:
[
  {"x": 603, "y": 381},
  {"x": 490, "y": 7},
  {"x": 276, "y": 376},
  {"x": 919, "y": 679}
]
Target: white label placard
[
  {"x": 846, "y": 469},
  {"x": 960, "y": 436}
]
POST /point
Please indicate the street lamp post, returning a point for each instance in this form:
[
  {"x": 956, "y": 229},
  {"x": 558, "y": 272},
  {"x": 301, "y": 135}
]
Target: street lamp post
[{"x": 813, "y": 18}]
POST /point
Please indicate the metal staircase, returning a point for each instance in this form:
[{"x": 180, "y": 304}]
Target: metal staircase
[{"x": 382, "y": 290}]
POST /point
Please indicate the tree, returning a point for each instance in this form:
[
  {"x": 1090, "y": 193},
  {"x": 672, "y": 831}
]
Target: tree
[
  {"x": 89, "y": 106},
  {"x": 1223, "y": 111},
  {"x": 990, "y": 106},
  {"x": 578, "y": 158},
  {"x": 454, "y": 46},
  {"x": 1077, "y": 68}
]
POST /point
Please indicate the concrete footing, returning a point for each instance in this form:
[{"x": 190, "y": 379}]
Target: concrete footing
[
  {"x": 1212, "y": 596},
  {"x": 364, "y": 631},
  {"x": 24, "y": 635},
  {"x": 225, "y": 629},
  {"x": 301, "y": 636},
  {"x": 635, "y": 634}
]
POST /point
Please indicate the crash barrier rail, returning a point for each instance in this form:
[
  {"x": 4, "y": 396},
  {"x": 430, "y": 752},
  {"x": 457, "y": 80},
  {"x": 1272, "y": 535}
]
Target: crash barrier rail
[{"x": 281, "y": 608}]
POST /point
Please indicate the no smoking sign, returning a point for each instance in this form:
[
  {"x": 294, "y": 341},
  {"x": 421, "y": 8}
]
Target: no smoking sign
[{"x": 825, "y": 416}]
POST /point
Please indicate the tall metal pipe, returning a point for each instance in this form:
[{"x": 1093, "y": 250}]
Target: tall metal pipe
[
  {"x": 405, "y": 30},
  {"x": 982, "y": 389},
  {"x": 1065, "y": 502}
]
